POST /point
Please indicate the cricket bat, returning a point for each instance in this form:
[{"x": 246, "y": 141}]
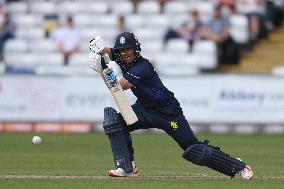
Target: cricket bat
[{"x": 117, "y": 92}]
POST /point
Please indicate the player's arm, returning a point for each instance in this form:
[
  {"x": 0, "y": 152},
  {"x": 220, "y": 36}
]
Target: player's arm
[
  {"x": 135, "y": 75},
  {"x": 125, "y": 84}
]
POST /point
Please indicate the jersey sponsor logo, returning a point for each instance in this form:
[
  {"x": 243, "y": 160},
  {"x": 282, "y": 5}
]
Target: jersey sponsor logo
[
  {"x": 133, "y": 75},
  {"x": 174, "y": 125}
]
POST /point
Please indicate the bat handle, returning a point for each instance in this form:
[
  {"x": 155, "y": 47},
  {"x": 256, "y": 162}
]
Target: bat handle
[{"x": 103, "y": 62}]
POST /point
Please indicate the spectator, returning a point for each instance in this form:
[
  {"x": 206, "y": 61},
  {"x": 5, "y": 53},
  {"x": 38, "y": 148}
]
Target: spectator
[
  {"x": 163, "y": 2},
  {"x": 228, "y": 6},
  {"x": 274, "y": 15},
  {"x": 50, "y": 24},
  {"x": 189, "y": 30},
  {"x": 2, "y": 6},
  {"x": 135, "y": 4},
  {"x": 68, "y": 39},
  {"x": 218, "y": 31},
  {"x": 254, "y": 10},
  {"x": 7, "y": 31},
  {"x": 122, "y": 25}
]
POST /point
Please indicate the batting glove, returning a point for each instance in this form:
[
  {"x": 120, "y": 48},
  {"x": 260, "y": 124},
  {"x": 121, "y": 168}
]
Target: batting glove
[
  {"x": 95, "y": 62},
  {"x": 97, "y": 44}
]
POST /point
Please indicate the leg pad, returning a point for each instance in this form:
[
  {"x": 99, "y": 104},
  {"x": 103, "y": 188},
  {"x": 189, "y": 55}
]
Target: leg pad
[
  {"x": 204, "y": 155},
  {"x": 116, "y": 134}
]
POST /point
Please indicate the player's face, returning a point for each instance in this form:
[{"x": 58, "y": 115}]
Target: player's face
[{"x": 127, "y": 55}]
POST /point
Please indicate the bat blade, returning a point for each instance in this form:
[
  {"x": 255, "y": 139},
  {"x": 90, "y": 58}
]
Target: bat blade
[{"x": 119, "y": 96}]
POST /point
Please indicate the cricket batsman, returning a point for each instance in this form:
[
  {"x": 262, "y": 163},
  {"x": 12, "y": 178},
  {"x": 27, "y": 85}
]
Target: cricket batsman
[{"x": 156, "y": 107}]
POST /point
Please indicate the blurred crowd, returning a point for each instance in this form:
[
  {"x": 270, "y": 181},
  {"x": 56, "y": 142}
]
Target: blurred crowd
[
  {"x": 7, "y": 27},
  {"x": 263, "y": 17}
]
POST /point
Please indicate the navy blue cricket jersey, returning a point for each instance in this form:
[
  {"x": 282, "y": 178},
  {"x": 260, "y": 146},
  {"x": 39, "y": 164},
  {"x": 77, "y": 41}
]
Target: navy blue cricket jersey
[
  {"x": 156, "y": 106},
  {"x": 148, "y": 87}
]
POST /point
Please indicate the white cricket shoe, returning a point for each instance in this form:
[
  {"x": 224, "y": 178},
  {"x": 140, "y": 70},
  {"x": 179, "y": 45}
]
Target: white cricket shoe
[
  {"x": 246, "y": 173},
  {"x": 119, "y": 172}
]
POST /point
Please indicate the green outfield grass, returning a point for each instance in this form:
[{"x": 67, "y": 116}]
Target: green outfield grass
[{"x": 82, "y": 161}]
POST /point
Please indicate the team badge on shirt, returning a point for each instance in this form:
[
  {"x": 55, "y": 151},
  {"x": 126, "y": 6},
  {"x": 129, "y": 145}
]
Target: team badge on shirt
[{"x": 122, "y": 40}]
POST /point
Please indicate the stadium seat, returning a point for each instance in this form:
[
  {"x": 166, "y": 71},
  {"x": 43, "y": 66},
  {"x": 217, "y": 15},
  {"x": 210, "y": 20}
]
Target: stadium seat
[
  {"x": 87, "y": 33},
  {"x": 278, "y": 71},
  {"x": 175, "y": 64},
  {"x": 177, "y": 45},
  {"x": 49, "y": 58},
  {"x": 32, "y": 60},
  {"x": 175, "y": 7},
  {"x": 32, "y": 33},
  {"x": 207, "y": 52},
  {"x": 83, "y": 20},
  {"x": 25, "y": 60},
  {"x": 205, "y": 9},
  {"x": 239, "y": 29},
  {"x": 152, "y": 46},
  {"x": 94, "y": 8},
  {"x": 122, "y": 8},
  {"x": 134, "y": 21},
  {"x": 91, "y": 20},
  {"x": 16, "y": 45},
  {"x": 108, "y": 33},
  {"x": 148, "y": 7},
  {"x": 80, "y": 59},
  {"x": 43, "y": 46},
  {"x": 177, "y": 20},
  {"x": 20, "y": 7},
  {"x": 109, "y": 20},
  {"x": 69, "y": 8},
  {"x": 27, "y": 20},
  {"x": 156, "y": 21},
  {"x": 147, "y": 33},
  {"x": 99, "y": 20},
  {"x": 204, "y": 46},
  {"x": 84, "y": 46},
  {"x": 189, "y": 59},
  {"x": 43, "y": 7}
]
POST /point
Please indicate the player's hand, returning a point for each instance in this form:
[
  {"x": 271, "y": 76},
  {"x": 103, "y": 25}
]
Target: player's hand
[
  {"x": 97, "y": 44},
  {"x": 95, "y": 62}
]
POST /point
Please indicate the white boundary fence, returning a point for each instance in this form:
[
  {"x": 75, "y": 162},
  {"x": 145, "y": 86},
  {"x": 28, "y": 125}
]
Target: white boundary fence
[{"x": 205, "y": 99}]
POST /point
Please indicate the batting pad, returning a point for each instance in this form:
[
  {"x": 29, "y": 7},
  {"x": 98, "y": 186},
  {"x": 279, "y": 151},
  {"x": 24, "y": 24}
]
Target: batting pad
[
  {"x": 115, "y": 131},
  {"x": 204, "y": 155}
]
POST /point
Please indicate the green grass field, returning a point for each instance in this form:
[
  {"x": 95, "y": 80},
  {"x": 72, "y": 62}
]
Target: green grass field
[{"x": 82, "y": 161}]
